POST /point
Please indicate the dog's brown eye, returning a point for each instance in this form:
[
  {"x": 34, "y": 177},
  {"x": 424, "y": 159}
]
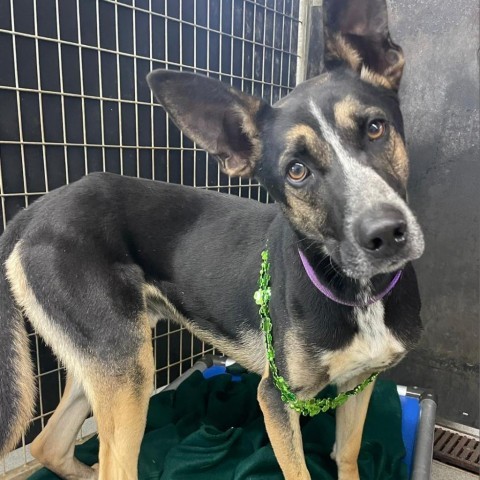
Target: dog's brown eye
[
  {"x": 376, "y": 129},
  {"x": 297, "y": 172}
]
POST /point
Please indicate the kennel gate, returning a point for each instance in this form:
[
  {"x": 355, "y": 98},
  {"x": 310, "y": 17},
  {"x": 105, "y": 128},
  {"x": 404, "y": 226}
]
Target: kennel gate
[{"x": 73, "y": 100}]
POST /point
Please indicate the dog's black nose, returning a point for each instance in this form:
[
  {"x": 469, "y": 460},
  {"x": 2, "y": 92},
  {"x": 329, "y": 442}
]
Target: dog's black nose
[{"x": 382, "y": 231}]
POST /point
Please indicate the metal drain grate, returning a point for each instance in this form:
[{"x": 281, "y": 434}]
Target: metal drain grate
[{"x": 456, "y": 449}]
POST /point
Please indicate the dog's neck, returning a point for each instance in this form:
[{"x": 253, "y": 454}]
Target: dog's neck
[
  {"x": 329, "y": 274},
  {"x": 363, "y": 300}
]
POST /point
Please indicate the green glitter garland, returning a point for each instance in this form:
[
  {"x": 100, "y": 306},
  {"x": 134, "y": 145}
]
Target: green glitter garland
[{"x": 304, "y": 407}]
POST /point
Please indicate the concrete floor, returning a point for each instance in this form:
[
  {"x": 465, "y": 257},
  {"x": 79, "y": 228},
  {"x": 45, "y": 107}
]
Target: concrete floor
[{"x": 440, "y": 471}]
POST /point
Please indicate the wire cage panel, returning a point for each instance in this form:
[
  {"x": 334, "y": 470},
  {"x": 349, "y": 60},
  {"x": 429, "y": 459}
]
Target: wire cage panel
[{"x": 74, "y": 100}]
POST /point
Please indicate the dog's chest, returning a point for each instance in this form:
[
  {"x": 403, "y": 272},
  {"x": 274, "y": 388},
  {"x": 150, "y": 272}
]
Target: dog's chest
[{"x": 373, "y": 348}]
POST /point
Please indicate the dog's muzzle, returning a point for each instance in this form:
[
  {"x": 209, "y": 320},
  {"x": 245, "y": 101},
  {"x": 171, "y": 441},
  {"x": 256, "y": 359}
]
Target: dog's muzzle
[
  {"x": 381, "y": 239},
  {"x": 382, "y": 232}
]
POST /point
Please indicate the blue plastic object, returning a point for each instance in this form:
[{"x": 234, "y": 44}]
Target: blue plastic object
[
  {"x": 410, "y": 419},
  {"x": 218, "y": 370},
  {"x": 214, "y": 370}
]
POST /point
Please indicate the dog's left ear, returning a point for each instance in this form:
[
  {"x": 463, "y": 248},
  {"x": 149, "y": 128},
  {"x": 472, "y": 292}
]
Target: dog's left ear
[
  {"x": 357, "y": 34},
  {"x": 221, "y": 119}
]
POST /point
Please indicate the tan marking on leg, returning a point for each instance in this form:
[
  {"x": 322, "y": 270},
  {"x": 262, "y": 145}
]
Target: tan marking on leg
[
  {"x": 120, "y": 403},
  {"x": 283, "y": 428},
  {"x": 120, "y": 406},
  {"x": 25, "y": 382},
  {"x": 350, "y": 419},
  {"x": 25, "y": 297},
  {"x": 54, "y": 447}
]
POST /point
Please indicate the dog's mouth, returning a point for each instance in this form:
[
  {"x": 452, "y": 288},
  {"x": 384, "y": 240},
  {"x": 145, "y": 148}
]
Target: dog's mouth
[
  {"x": 355, "y": 264},
  {"x": 360, "y": 256},
  {"x": 356, "y": 268}
]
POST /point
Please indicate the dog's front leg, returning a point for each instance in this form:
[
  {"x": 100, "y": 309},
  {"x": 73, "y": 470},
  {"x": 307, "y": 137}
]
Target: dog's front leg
[
  {"x": 283, "y": 428},
  {"x": 350, "y": 418}
]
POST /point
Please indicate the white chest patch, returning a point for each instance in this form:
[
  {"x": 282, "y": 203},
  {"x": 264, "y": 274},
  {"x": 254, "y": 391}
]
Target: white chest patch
[{"x": 373, "y": 348}]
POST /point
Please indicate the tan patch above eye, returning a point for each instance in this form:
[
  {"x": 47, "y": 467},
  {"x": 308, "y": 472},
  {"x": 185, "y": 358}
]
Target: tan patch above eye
[
  {"x": 344, "y": 112},
  {"x": 300, "y": 131},
  {"x": 303, "y": 135}
]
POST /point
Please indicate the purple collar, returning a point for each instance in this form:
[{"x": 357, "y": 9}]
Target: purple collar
[{"x": 329, "y": 294}]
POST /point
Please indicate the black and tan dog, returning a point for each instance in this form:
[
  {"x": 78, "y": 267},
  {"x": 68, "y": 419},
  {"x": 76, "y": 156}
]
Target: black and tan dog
[{"x": 93, "y": 265}]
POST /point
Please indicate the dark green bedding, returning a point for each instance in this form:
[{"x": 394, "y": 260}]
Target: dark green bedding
[{"x": 213, "y": 430}]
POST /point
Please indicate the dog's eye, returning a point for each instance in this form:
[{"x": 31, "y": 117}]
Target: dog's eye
[
  {"x": 376, "y": 129},
  {"x": 297, "y": 172}
]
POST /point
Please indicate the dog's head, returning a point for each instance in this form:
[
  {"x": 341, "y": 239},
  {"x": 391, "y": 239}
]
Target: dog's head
[{"x": 331, "y": 153}]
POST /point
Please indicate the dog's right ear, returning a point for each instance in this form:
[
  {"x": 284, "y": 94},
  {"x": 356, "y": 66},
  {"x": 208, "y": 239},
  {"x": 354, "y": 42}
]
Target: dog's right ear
[
  {"x": 357, "y": 34},
  {"x": 219, "y": 118}
]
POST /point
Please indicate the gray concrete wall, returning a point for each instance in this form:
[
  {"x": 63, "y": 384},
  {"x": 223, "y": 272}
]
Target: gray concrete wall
[{"x": 440, "y": 99}]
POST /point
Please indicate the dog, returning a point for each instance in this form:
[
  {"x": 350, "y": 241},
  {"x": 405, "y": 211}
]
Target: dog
[{"x": 93, "y": 265}]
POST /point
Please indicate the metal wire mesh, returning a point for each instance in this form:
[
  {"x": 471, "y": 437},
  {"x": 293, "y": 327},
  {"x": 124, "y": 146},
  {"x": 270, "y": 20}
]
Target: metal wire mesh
[{"x": 73, "y": 100}]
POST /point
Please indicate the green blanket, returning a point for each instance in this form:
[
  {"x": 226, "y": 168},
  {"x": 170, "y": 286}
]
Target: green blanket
[{"x": 213, "y": 429}]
